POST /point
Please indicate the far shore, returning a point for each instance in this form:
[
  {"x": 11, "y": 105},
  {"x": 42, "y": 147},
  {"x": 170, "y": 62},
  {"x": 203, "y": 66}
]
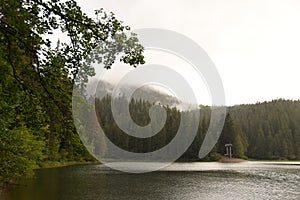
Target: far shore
[{"x": 231, "y": 160}]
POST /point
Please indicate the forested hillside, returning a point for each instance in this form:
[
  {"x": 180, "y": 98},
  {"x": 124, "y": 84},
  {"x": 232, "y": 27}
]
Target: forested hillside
[
  {"x": 272, "y": 128},
  {"x": 267, "y": 130}
]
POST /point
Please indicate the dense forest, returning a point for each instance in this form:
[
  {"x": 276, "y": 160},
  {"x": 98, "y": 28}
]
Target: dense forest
[
  {"x": 268, "y": 130},
  {"x": 272, "y": 128}
]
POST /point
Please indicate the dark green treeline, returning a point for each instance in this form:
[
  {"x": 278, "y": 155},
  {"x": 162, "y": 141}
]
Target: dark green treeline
[
  {"x": 259, "y": 131},
  {"x": 272, "y": 128}
]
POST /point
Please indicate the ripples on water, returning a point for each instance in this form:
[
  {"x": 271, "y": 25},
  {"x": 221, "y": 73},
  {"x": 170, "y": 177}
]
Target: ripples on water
[{"x": 247, "y": 180}]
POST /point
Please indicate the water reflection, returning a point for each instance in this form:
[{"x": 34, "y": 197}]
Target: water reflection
[{"x": 248, "y": 180}]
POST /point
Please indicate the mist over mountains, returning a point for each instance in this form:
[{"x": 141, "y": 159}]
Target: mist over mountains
[{"x": 154, "y": 94}]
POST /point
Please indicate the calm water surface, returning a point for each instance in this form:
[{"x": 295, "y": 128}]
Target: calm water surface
[{"x": 248, "y": 180}]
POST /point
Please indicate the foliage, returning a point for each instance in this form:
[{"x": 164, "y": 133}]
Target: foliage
[
  {"x": 259, "y": 131},
  {"x": 139, "y": 112},
  {"x": 20, "y": 151},
  {"x": 37, "y": 77},
  {"x": 232, "y": 134},
  {"x": 271, "y": 128}
]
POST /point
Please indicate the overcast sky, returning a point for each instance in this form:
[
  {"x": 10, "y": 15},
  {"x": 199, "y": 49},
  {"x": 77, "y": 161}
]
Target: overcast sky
[{"x": 255, "y": 44}]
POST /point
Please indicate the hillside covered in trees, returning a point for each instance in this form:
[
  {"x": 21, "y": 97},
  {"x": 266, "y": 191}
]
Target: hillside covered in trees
[
  {"x": 272, "y": 128},
  {"x": 268, "y": 130}
]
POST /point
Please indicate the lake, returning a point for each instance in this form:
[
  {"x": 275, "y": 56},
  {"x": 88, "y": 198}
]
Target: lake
[{"x": 198, "y": 180}]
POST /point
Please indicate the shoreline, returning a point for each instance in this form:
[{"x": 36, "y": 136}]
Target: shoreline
[
  {"x": 50, "y": 165},
  {"x": 231, "y": 160}
]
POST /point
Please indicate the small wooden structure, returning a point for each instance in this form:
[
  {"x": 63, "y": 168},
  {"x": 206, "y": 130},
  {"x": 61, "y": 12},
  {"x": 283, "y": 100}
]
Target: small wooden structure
[{"x": 228, "y": 150}]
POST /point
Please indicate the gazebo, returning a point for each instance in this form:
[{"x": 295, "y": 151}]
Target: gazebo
[{"x": 228, "y": 150}]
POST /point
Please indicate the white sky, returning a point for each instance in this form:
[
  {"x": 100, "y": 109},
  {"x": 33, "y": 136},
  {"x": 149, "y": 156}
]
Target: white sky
[{"x": 255, "y": 44}]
